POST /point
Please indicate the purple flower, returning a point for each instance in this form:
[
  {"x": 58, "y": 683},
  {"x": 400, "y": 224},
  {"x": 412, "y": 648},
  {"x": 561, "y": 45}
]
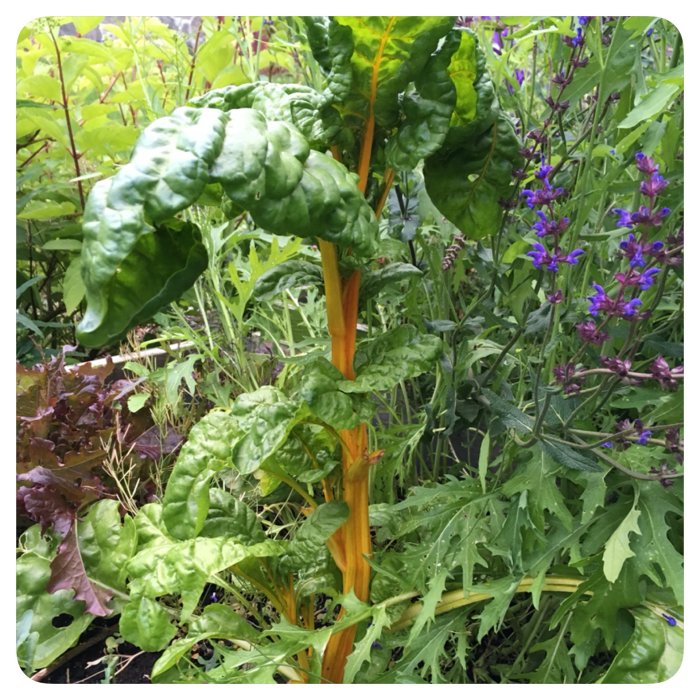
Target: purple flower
[
  {"x": 607, "y": 444},
  {"x": 617, "y": 365},
  {"x": 545, "y": 227},
  {"x": 600, "y": 301},
  {"x": 630, "y": 308},
  {"x": 520, "y": 76},
  {"x": 542, "y": 173},
  {"x": 589, "y": 333},
  {"x": 574, "y": 41},
  {"x": 543, "y": 197},
  {"x": 644, "y": 435},
  {"x": 643, "y": 215},
  {"x": 563, "y": 374},
  {"x": 540, "y": 257},
  {"x": 625, "y": 218},
  {"x": 646, "y": 164},
  {"x": 643, "y": 280},
  {"x": 556, "y": 298},
  {"x": 655, "y": 184},
  {"x": 633, "y": 250},
  {"x": 584, "y": 20},
  {"x": 666, "y": 376}
]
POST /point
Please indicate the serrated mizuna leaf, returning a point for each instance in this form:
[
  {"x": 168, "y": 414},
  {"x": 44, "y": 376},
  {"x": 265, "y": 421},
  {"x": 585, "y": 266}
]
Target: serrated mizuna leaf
[
  {"x": 657, "y": 557},
  {"x": 384, "y": 361},
  {"x": 617, "y": 548},
  {"x": 363, "y": 648}
]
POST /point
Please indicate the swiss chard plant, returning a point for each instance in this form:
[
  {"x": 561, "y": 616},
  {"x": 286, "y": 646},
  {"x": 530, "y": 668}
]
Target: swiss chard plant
[{"x": 318, "y": 164}]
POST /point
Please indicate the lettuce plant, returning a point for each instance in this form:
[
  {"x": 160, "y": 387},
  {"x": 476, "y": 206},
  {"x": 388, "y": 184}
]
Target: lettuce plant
[{"x": 397, "y": 92}]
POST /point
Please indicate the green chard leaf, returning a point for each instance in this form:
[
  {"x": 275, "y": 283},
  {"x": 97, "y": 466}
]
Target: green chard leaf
[
  {"x": 652, "y": 654},
  {"x": 39, "y": 641},
  {"x": 301, "y": 106},
  {"x": 384, "y": 361},
  {"x": 472, "y": 171},
  {"x": 136, "y": 258},
  {"x": 388, "y": 53},
  {"x": 206, "y": 452}
]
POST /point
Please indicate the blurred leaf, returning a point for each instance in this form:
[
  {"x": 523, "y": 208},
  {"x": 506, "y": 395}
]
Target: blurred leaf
[{"x": 652, "y": 654}]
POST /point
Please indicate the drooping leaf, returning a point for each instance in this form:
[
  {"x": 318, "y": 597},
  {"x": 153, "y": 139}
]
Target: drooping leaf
[
  {"x": 136, "y": 258},
  {"x": 391, "y": 275},
  {"x": 468, "y": 183},
  {"x": 146, "y": 623},
  {"x": 427, "y": 110},
  {"x": 106, "y": 543},
  {"x": 384, "y": 361}
]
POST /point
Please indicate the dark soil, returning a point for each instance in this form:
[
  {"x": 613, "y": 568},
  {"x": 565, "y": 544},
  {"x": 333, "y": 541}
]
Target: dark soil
[{"x": 95, "y": 663}]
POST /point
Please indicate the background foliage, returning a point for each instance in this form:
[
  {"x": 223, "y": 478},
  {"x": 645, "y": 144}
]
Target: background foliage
[{"x": 527, "y": 508}]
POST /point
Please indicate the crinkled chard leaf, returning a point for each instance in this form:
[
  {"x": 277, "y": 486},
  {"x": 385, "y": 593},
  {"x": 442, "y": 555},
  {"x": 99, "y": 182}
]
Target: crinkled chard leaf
[
  {"x": 166, "y": 566},
  {"x": 146, "y": 623},
  {"x": 136, "y": 258},
  {"x": 320, "y": 388},
  {"x": 287, "y": 275},
  {"x": 309, "y": 542},
  {"x": 384, "y": 361},
  {"x": 299, "y": 105},
  {"x": 230, "y": 517},
  {"x": 427, "y": 109},
  {"x": 468, "y": 184},
  {"x": 206, "y": 452}
]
